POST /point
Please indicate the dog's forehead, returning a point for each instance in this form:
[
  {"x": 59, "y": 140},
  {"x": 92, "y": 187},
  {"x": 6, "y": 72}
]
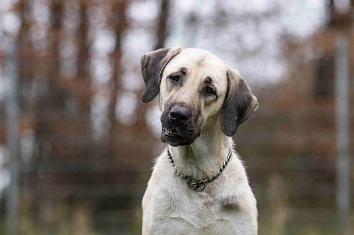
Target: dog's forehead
[{"x": 197, "y": 59}]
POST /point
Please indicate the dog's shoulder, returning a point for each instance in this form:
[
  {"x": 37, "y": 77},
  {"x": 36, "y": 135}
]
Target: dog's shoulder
[
  {"x": 237, "y": 192},
  {"x": 163, "y": 183},
  {"x": 160, "y": 169}
]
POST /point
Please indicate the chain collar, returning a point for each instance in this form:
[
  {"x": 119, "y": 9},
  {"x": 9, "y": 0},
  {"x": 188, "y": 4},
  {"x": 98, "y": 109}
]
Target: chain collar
[{"x": 199, "y": 184}]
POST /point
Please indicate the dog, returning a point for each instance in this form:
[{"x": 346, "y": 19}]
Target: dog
[{"x": 198, "y": 184}]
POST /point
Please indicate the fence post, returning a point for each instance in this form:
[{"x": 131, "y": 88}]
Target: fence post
[
  {"x": 12, "y": 134},
  {"x": 342, "y": 133}
]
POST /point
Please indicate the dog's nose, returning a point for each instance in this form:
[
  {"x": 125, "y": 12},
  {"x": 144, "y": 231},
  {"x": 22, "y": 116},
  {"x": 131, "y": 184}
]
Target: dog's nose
[{"x": 179, "y": 114}]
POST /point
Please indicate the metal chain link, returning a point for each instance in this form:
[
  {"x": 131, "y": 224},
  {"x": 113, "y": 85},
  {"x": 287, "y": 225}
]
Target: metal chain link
[{"x": 199, "y": 184}]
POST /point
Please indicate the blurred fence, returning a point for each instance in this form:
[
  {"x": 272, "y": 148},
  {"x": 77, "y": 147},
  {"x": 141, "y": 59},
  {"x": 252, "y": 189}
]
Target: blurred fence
[{"x": 85, "y": 143}]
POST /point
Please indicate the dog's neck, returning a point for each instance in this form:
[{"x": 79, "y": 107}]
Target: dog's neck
[{"x": 205, "y": 156}]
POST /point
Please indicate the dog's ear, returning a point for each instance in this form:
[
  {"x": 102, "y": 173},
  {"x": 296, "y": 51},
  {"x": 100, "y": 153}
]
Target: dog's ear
[
  {"x": 239, "y": 104},
  {"x": 152, "y": 66}
]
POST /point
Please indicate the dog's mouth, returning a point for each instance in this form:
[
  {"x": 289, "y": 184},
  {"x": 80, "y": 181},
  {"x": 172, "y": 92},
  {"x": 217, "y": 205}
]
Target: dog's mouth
[
  {"x": 173, "y": 137},
  {"x": 170, "y": 132}
]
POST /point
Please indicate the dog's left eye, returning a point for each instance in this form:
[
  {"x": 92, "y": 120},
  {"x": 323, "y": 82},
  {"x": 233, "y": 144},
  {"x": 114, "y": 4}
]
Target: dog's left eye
[
  {"x": 209, "y": 91},
  {"x": 174, "y": 78}
]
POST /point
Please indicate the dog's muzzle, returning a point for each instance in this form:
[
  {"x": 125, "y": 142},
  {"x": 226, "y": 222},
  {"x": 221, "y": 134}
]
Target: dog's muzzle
[{"x": 178, "y": 127}]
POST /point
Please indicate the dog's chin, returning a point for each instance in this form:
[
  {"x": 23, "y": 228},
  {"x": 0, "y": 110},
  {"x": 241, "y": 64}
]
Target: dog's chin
[{"x": 174, "y": 138}]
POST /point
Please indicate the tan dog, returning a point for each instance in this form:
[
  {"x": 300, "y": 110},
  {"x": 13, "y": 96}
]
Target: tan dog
[{"x": 198, "y": 185}]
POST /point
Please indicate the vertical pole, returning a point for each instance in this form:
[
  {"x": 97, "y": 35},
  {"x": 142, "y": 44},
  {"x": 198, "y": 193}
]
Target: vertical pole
[
  {"x": 342, "y": 132},
  {"x": 162, "y": 27},
  {"x": 12, "y": 116}
]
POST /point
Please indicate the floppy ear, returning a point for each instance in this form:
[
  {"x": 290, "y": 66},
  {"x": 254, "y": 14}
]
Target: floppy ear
[
  {"x": 239, "y": 105},
  {"x": 152, "y": 65}
]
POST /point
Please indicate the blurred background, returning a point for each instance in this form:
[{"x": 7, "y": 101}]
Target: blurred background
[{"x": 77, "y": 145}]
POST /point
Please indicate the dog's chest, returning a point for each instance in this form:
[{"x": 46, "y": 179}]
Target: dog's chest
[
  {"x": 208, "y": 209},
  {"x": 203, "y": 214}
]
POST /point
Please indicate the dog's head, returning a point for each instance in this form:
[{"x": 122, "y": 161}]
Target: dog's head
[{"x": 197, "y": 92}]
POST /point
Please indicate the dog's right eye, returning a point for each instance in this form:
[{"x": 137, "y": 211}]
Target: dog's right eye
[{"x": 174, "y": 78}]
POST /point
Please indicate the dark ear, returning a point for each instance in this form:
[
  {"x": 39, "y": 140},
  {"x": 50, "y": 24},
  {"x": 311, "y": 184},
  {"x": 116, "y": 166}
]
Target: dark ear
[
  {"x": 239, "y": 105},
  {"x": 152, "y": 65}
]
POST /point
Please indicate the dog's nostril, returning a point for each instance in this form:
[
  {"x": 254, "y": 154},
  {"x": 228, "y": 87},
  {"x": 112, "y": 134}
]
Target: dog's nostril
[{"x": 173, "y": 115}]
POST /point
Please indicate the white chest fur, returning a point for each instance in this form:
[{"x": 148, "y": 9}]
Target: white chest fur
[{"x": 226, "y": 206}]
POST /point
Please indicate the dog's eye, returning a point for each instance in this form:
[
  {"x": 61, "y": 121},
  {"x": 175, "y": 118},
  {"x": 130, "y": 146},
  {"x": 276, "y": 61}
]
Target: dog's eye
[
  {"x": 209, "y": 91},
  {"x": 174, "y": 78}
]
